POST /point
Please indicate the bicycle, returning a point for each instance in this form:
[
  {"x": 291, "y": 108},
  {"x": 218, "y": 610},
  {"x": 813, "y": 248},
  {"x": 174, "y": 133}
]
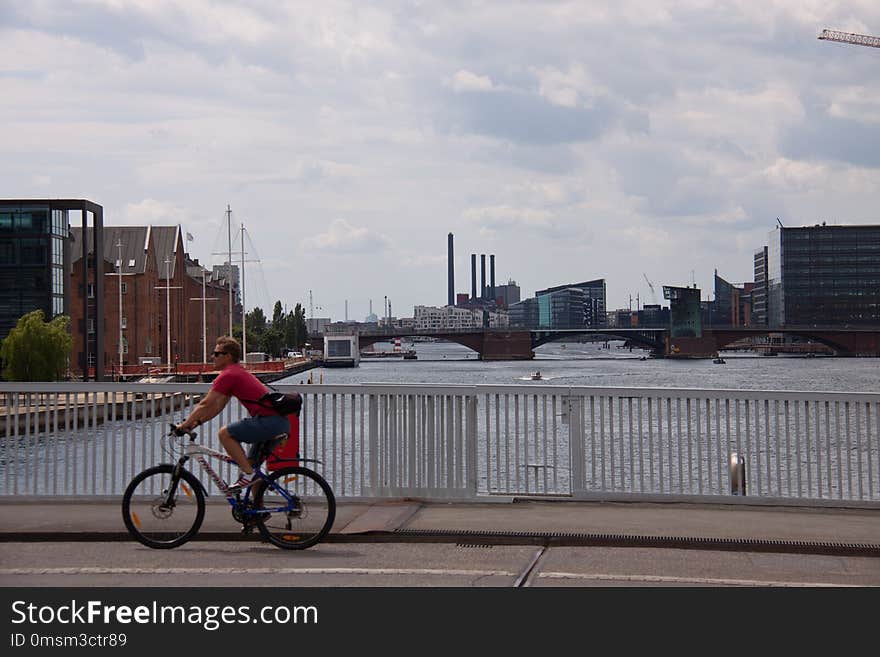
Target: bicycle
[{"x": 164, "y": 506}]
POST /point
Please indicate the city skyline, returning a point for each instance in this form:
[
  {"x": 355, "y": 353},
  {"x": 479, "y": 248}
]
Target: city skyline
[{"x": 574, "y": 141}]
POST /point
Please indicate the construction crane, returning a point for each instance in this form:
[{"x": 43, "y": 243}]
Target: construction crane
[
  {"x": 849, "y": 37},
  {"x": 650, "y": 285}
]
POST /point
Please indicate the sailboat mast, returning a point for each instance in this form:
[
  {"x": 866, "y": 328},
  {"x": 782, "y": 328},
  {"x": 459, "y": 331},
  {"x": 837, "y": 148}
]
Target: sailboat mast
[{"x": 229, "y": 263}]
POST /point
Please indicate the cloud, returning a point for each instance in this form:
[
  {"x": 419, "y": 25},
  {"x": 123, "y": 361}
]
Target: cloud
[
  {"x": 832, "y": 138},
  {"x": 467, "y": 81},
  {"x": 528, "y": 118},
  {"x": 343, "y": 238},
  {"x": 506, "y": 220},
  {"x": 151, "y": 211},
  {"x": 792, "y": 175}
]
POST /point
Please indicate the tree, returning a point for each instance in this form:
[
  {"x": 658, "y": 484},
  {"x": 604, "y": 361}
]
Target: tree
[
  {"x": 273, "y": 341},
  {"x": 277, "y": 315},
  {"x": 300, "y": 330},
  {"x": 256, "y": 321},
  {"x": 36, "y": 350}
]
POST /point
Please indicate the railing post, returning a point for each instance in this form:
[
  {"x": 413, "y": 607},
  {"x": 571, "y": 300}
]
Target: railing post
[
  {"x": 471, "y": 445},
  {"x": 737, "y": 474},
  {"x": 373, "y": 439},
  {"x": 572, "y": 412}
]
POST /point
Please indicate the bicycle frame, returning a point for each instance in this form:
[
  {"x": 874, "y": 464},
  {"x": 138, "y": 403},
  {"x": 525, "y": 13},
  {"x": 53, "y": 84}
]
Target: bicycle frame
[{"x": 199, "y": 452}]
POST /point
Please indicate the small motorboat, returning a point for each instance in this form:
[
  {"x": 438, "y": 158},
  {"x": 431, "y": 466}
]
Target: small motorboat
[
  {"x": 718, "y": 360},
  {"x": 537, "y": 376}
]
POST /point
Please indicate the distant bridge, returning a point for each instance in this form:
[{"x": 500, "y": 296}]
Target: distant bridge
[
  {"x": 842, "y": 341},
  {"x": 519, "y": 344}
]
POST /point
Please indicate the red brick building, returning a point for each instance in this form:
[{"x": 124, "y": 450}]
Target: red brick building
[{"x": 144, "y": 260}]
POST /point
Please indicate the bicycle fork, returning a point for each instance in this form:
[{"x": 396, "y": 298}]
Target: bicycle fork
[{"x": 171, "y": 494}]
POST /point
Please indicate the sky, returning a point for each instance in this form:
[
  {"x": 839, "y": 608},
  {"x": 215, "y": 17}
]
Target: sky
[{"x": 630, "y": 140}]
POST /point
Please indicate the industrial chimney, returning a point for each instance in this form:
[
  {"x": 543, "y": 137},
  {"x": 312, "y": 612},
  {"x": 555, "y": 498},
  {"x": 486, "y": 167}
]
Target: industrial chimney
[
  {"x": 473, "y": 276},
  {"x": 492, "y": 278},
  {"x": 482, "y": 275},
  {"x": 450, "y": 283}
]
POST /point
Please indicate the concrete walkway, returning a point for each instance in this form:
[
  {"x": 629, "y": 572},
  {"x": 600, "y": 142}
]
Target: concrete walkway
[{"x": 405, "y": 520}]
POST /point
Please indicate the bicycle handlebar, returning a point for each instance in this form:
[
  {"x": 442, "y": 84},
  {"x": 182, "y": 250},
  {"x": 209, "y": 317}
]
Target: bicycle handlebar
[{"x": 182, "y": 432}]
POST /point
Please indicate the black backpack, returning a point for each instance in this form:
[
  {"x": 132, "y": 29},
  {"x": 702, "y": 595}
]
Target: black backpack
[{"x": 280, "y": 402}]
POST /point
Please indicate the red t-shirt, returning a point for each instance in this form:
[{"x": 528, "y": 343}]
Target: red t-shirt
[{"x": 235, "y": 381}]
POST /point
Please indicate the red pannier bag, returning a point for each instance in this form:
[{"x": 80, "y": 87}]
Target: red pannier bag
[{"x": 287, "y": 453}]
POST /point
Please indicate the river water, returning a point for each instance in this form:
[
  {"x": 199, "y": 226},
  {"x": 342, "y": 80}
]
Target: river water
[{"x": 592, "y": 364}]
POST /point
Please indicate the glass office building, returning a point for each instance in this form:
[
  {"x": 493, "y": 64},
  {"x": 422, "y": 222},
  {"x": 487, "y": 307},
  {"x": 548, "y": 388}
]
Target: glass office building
[
  {"x": 33, "y": 252},
  {"x": 759, "y": 292},
  {"x": 561, "y": 309},
  {"x": 823, "y": 276},
  {"x": 524, "y": 313},
  {"x": 592, "y": 301}
]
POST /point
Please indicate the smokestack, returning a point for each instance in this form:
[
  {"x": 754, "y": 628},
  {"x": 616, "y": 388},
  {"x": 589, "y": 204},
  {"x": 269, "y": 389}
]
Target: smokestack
[
  {"x": 482, "y": 275},
  {"x": 450, "y": 283},
  {"x": 473, "y": 276},
  {"x": 492, "y": 277}
]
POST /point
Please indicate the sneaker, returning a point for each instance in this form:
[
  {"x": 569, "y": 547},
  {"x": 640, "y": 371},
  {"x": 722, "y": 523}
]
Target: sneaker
[{"x": 243, "y": 482}]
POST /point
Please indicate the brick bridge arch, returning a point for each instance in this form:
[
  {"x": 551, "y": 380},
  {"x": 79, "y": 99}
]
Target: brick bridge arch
[
  {"x": 843, "y": 341},
  {"x": 836, "y": 342},
  {"x": 653, "y": 340}
]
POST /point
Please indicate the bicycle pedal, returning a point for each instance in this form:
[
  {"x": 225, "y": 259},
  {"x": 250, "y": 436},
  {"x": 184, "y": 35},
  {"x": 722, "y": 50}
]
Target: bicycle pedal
[{"x": 247, "y": 529}]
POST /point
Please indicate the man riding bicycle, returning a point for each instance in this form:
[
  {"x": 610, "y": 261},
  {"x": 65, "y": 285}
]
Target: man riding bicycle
[{"x": 235, "y": 381}]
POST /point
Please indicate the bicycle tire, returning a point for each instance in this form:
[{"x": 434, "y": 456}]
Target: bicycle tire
[
  {"x": 300, "y": 527},
  {"x": 152, "y": 526}
]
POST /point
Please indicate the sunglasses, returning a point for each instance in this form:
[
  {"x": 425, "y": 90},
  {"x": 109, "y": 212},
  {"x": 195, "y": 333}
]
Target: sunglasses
[{"x": 219, "y": 353}]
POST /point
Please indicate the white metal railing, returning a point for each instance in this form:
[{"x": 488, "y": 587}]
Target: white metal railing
[{"x": 468, "y": 442}]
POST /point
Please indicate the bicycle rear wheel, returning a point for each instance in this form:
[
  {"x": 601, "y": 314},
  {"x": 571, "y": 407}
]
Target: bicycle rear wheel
[
  {"x": 156, "y": 520},
  {"x": 298, "y": 508}
]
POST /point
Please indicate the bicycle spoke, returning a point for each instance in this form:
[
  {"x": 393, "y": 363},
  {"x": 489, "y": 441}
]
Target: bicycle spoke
[{"x": 298, "y": 508}]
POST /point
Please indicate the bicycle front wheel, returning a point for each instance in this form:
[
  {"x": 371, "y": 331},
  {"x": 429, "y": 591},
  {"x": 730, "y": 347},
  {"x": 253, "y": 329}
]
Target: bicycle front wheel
[
  {"x": 297, "y": 508},
  {"x": 160, "y": 519}
]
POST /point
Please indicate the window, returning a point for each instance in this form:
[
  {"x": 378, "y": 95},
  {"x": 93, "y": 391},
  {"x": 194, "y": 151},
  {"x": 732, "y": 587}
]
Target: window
[
  {"x": 124, "y": 322},
  {"x": 91, "y": 325},
  {"x": 91, "y": 293},
  {"x": 125, "y": 288},
  {"x": 59, "y": 222},
  {"x": 131, "y": 263},
  {"x": 57, "y": 251},
  {"x": 7, "y": 252},
  {"x": 33, "y": 252}
]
